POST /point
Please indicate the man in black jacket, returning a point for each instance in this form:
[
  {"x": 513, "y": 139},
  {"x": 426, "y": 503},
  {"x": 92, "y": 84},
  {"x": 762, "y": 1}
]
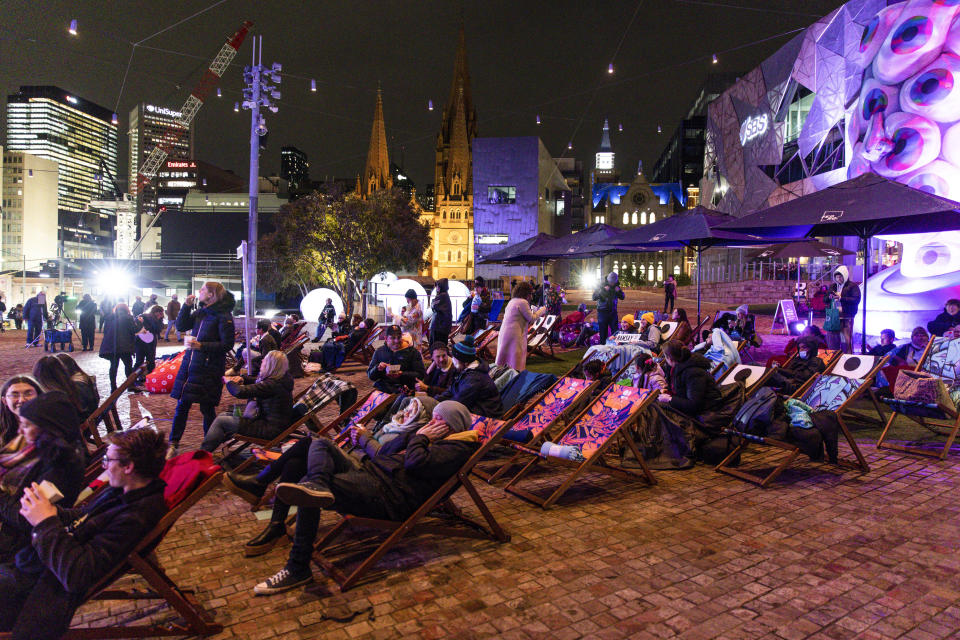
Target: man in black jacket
[
  {"x": 694, "y": 391},
  {"x": 87, "y": 309},
  {"x": 947, "y": 320},
  {"x": 800, "y": 368},
  {"x": 385, "y": 487},
  {"x": 73, "y": 549},
  {"x": 606, "y": 297},
  {"x": 393, "y": 367},
  {"x": 472, "y": 386}
]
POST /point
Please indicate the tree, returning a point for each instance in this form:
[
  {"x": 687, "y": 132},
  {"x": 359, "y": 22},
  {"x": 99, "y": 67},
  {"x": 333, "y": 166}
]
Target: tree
[{"x": 340, "y": 241}]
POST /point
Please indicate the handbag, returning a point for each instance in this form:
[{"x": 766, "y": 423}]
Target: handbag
[
  {"x": 252, "y": 410},
  {"x": 831, "y": 320},
  {"x": 922, "y": 387}
]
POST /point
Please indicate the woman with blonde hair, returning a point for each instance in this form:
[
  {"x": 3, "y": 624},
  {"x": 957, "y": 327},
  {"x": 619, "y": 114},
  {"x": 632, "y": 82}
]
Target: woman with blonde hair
[{"x": 269, "y": 407}]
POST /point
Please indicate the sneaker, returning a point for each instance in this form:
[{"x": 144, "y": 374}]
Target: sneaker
[
  {"x": 173, "y": 450},
  {"x": 246, "y": 487},
  {"x": 265, "y": 540},
  {"x": 281, "y": 581},
  {"x": 304, "y": 494}
]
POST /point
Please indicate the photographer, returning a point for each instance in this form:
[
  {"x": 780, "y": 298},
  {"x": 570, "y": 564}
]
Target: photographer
[{"x": 87, "y": 309}]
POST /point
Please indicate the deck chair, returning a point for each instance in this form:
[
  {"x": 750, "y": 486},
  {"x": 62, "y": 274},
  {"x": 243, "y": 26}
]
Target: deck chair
[
  {"x": 866, "y": 367},
  {"x": 362, "y": 352},
  {"x": 834, "y": 391},
  {"x": 540, "y": 339},
  {"x": 496, "y": 308},
  {"x": 538, "y": 419},
  {"x": 576, "y": 371},
  {"x": 695, "y": 334},
  {"x": 371, "y": 406},
  {"x": 483, "y": 347},
  {"x": 143, "y": 562},
  {"x": 452, "y": 520},
  {"x": 108, "y": 413},
  {"x": 942, "y": 359},
  {"x": 588, "y": 437},
  {"x": 750, "y": 375},
  {"x": 667, "y": 329}
]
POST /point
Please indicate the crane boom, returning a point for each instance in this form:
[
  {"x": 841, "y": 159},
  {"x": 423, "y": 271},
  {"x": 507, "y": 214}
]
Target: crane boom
[{"x": 208, "y": 82}]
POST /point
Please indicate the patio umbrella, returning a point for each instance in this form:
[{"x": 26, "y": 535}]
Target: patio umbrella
[
  {"x": 802, "y": 249},
  {"x": 695, "y": 229},
  {"x": 518, "y": 250},
  {"x": 864, "y": 206},
  {"x": 575, "y": 245}
]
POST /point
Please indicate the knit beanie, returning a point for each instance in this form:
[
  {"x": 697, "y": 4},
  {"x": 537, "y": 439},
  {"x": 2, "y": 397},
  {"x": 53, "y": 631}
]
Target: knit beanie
[
  {"x": 649, "y": 317},
  {"x": 613, "y": 278},
  {"x": 465, "y": 349},
  {"x": 454, "y": 414},
  {"x": 742, "y": 309},
  {"x": 55, "y": 415},
  {"x": 629, "y": 319}
]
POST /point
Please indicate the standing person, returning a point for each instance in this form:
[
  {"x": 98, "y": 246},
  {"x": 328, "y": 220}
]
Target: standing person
[
  {"x": 200, "y": 379},
  {"x": 517, "y": 318},
  {"x": 18, "y": 316},
  {"x": 138, "y": 307},
  {"x": 119, "y": 331},
  {"x": 669, "y": 293},
  {"x": 106, "y": 307},
  {"x": 442, "y": 320},
  {"x": 606, "y": 297},
  {"x": 552, "y": 300},
  {"x": 411, "y": 318},
  {"x": 173, "y": 310},
  {"x": 151, "y": 324},
  {"x": 848, "y": 294},
  {"x": 88, "y": 321},
  {"x": 3, "y": 310},
  {"x": 327, "y": 315},
  {"x": 15, "y": 392},
  {"x": 35, "y": 312},
  {"x": 481, "y": 304}
]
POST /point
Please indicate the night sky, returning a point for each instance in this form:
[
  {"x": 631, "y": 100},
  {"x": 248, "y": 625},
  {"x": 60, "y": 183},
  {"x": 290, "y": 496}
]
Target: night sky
[{"x": 526, "y": 58}]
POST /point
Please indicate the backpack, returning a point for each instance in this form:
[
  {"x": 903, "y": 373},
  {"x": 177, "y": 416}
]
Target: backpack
[{"x": 757, "y": 414}]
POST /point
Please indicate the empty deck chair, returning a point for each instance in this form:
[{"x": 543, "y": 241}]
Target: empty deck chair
[
  {"x": 483, "y": 347},
  {"x": 835, "y": 391},
  {"x": 942, "y": 359},
  {"x": 750, "y": 375},
  {"x": 540, "y": 340},
  {"x": 590, "y": 434},
  {"x": 451, "y": 520},
  {"x": 538, "y": 420}
]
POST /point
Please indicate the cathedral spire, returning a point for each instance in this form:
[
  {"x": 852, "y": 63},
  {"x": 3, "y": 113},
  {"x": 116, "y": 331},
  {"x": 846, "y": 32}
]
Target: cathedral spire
[
  {"x": 376, "y": 173},
  {"x": 605, "y": 140}
]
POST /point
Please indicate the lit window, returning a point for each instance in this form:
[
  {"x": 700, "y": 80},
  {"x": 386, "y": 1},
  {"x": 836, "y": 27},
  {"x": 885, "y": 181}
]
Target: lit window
[
  {"x": 501, "y": 195},
  {"x": 626, "y": 217},
  {"x": 643, "y": 218},
  {"x": 653, "y": 217},
  {"x": 634, "y": 217}
]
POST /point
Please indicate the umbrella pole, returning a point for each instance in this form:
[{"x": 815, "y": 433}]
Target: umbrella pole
[
  {"x": 866, "y": 268},
  {"x": 699, "y": 253}
]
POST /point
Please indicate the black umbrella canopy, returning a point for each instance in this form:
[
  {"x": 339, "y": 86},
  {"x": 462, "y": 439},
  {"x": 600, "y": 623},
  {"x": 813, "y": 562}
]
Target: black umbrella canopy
[
  {"x": 575, "y": 245},
  {"x": 518, "y": 252},
  {"x": 865, "y": 206},
  {"x": 696, "y": 228},
  {"x": 801, "y": 249}
]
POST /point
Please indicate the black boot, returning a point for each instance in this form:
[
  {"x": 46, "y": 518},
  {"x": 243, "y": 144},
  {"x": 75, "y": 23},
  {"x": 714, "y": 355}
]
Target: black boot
[
  {"x": 246, "y": 487},
  {"x": 265, "y": 540}
]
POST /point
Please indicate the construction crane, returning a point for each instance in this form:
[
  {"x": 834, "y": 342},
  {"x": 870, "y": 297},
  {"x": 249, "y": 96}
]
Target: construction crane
[{"x": 208, "y": 82}]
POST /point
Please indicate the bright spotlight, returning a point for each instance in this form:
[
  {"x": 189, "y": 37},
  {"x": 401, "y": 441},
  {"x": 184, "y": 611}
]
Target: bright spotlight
[
  {"x": 115, "y": 282},
  {"x": 588, "y": 280}
]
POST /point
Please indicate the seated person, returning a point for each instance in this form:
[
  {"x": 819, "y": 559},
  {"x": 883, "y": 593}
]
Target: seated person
[
  {"x": 53, "y": 376},
  {"x": 743, "y": 326},
  {"x": 262, "y": 344},
  {"x": 791, "y": 347},
  {"x": 694, "y": 389},
  {"x": 588, "y": 330},
  {"x": 595, "y": 370},
  {"x": 650, "y": 374},
  {"x": 47, "y": 448},
  {"x": 684, "y": 330},
  {"x": 384, "y": 486},
  {"x": 341, "y": 327},
  {"x": 887, "y": 344},
  {"x": 574, "y": 317},
  {"x": 394, "y": 367},
  {"x": 84, "y": 384},
  {"x": 334, "y": 352},
  {"x": 628, "y": 324},
  {"x": 440, "y": 373},
  {"x": 73, "y": 549},
  {"x": 799, "y": 369},
  {"x": 726, "y": 322},
  {"x": 909, "y": 354},
  {"x": 948, "y": 321},
  {"x": 15, "y": 392},
  {"x": 289, "y": 331},
  {"x": 649, "y": 332},
  {"x": 269, "y": 399},
  {"x": 472, "y": 385}
]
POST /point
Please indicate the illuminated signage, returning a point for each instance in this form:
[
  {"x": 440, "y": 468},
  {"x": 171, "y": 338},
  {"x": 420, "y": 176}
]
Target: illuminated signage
[
  {"x": 754, "y": 127},
  {"x": 163, "y": 111},
  {"x": 605, "y": 160},
  {"x": 180, "y": 164}
]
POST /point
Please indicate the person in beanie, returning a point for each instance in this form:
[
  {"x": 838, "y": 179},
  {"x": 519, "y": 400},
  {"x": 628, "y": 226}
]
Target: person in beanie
[
  {"x": 381, "y": 486},
  {"x": 47, "y": 448},
  {"x": 606, "y": 297},
  {"x": 393, "y": 368},
  {"x": 71, "y": 550},
  {"x": 442, "y": 320},
  {"x": 649, "y": 332},
  {"x": 411, "y": 319},
  {"x": 472, "y": 386}
]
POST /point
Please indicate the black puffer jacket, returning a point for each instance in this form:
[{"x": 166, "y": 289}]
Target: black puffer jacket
[
  {"x": 118, "y": 336},
  {"x": 200, "y": 378},
  {"x": 275, "y": 398},
  {"x": 474, "y": 389},
  {"x": 694, "y": 389}
]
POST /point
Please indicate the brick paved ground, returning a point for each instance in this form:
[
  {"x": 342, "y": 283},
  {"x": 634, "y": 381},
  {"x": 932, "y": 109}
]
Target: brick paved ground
[{"x": 822, "y": 554}]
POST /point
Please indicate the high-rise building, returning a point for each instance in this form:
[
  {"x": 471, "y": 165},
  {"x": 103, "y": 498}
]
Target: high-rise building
[
  {"x": 294, "y": 167},
  {"x": 148, "y": 126},
  {"x": 28, "y": 185},
  {"x": 451, "y": 221},
  {"x": 81, "y": 138}
]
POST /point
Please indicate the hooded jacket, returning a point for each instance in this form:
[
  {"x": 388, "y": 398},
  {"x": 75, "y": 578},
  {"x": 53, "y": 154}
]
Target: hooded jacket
[
  {"x": 849, "y": 293},
  {"x": 606, "y": 296},
  {"x": 694, "y": 389},
  {"x": 474, "y": 388},
  {"x": 200, "y": 378},
  {"x": 442, "y": 320}
]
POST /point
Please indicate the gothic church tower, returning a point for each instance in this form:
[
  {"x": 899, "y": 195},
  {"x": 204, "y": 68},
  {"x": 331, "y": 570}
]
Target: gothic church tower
[{"x": 376, "y": 173}]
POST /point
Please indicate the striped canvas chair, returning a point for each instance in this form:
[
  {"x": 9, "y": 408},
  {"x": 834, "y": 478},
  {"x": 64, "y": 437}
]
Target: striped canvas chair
[{"x": 583, "y": 444}]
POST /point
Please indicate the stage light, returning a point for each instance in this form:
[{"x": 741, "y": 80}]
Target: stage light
[
  {"x": 236, "y": 107},
  {"x": 429, "y": 105},
  {"x": 538, "y": 118},
  {"x": 659, "y": 129},
  {"x": 620, "y": 127},
  {"x": 115, "y": 120},
  {"x": 219, "y": 92},
  {"x": 114, "y": 282},
  {"x": 588, "y": 280}
]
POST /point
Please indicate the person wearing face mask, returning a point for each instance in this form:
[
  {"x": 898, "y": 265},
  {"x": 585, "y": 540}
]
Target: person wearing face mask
[
  {"x": 200, "y": 378},
  {"x": 472, "y": 385},
  {"x": 46, "y": 448},
  {"x": 909, "y": 354},
  {"x": 381, "y": 486},
  {"x": 16, "y": 392},
  {"x": 440, "y": 373},
  {"x": 799, "y": 369},
  {"x": 394, "y": 368}
]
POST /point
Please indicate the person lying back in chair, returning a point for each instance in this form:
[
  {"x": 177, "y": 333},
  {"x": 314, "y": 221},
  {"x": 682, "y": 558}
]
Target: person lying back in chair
[
  {"x": 385, "y": 487},
  {"x": 799, "y": 369},
  {"x": 73, "y": 549}
]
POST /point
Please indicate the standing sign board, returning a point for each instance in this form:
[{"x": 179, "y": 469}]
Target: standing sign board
[{"x": 786, "y": 314}]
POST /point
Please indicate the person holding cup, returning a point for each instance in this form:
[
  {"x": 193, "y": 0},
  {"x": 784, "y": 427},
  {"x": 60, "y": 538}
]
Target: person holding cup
[
  {"x": 394, "y": 368},
  {"x": 207, "y": 323}
]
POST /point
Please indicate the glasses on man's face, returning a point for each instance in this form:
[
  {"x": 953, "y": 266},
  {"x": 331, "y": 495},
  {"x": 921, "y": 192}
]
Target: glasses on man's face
[
  {"x": 105, "y": 461},
  {"x": 21, "y": 395}
]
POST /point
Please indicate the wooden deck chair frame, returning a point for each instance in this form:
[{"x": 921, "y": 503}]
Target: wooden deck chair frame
[
  {"x": 695, "y": 333},
  {"x": 483, "y": 347},
  {"x": 541, "y": 338},
  {"x": 793, "y": 450},
  {"x": 594, "y": 463},
  {"x": 870, "y": 393},
  {"x": 340, "y": 434},
  {"x": 107, "y": 411},
  {"x": 667, "y": 329},
  {"x": 143, "y": 561},
  {"x": 606, "y": 359},
  {"x": 440, "y": 500},
  {"x": 951, "y": 423},
  {"x": 362, "y": 352},
  {"x": 575, "y": 407}
]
